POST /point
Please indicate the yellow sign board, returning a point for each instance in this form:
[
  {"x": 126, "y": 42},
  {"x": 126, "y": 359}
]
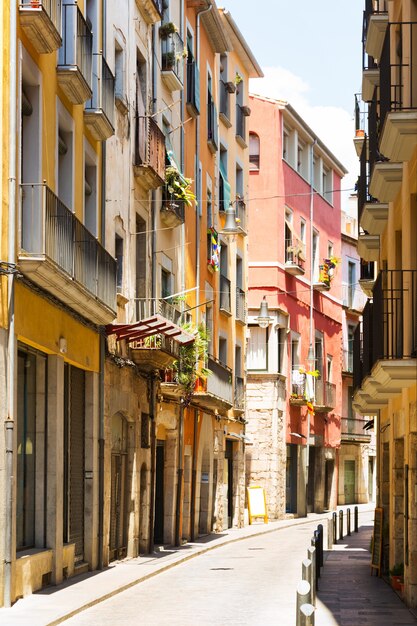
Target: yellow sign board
[{"x": 257, "y": 503}]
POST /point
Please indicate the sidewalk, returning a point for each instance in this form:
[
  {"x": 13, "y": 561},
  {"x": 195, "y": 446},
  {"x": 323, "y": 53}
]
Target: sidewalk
[
  {"x": 349, "y": 596},
  {"x": 55, "y": 604}
]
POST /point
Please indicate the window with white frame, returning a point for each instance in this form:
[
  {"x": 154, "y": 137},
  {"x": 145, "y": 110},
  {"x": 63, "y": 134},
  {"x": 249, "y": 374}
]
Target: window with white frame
[
  {"x": 315, "y": 255},
  {"x": 257, "y": 353},
  {"x": 327, "y": 186}
]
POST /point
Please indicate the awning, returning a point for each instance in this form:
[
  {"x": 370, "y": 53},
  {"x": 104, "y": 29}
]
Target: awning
[
  {"x": 154, "y": 325},
  {"x": 227, "y": 190}
]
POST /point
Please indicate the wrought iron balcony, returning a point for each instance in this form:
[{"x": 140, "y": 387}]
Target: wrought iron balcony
[
  {"x": 239, "y": 393},
  {"x": 148, "y": 307},
  {"x": 294, "y": 257},
  {"x": 240, "y": 209},
  {"x": 172, "y": 210},
  {"x": 373, "y": 215},
  {"x": 225, "y": 301},
  {"x": 75, "y": 56},
  {"x": 240, "y": 305},
  {"x": 298, "y": 388},
  {"x": 60, "y": 255},
  {"x": 398, "y": 95},
  {"x": 193, "y": 88},
  {"x": 41, "y": 23},
  {"x": 219, "y": 383},
  {"x": 376, "y": 22},
  {"x": 324, "y": 395},
  {"x": 360, "y": 123},
  {"x": 367, "y": 277},
  {"x": 224, "y": 103},
  {"x": 151, "y": 10},
  {"x": 99, "y": 110},
  {"x": 172, "y": 61},
  {"x": 241, "y": 114},
  {"x": 353, "y": 430},
  {"x": 370, "y": 71},
  {"x": 149, "y": 156},
  {"x": 212, "y": 129}
]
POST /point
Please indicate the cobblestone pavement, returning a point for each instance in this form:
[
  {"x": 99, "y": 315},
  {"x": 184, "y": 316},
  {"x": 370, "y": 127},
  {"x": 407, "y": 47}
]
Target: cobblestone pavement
[{"x": 350, "y": 596}]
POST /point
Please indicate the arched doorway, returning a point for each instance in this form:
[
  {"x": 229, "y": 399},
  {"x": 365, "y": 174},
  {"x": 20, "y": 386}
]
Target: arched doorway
[{"x": 118, "y": 517}]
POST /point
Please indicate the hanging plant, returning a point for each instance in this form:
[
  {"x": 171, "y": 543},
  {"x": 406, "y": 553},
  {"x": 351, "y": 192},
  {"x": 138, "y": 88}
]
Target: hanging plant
[
  {"x": 213, "y": 261},
  {"x": 169, "y": 28},
  {"x": 238, "y": 79},
  {"x": 178, "y": 186},
  {"x": 326, "y": 270},
  {"x": 190, "y": 365}
]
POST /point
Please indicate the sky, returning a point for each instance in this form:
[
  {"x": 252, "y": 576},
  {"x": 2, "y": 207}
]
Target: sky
[{"x": 310, "y": 53}]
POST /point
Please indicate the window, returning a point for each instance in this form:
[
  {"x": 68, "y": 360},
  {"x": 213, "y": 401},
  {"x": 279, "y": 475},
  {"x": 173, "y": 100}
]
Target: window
[
  {"x": 65, "y": 157},
  {"x": 119, "y": 76},
  {"x": 315, "y": 256},
  {"x": 224, "y": 88},
  {"x": 295, "y": 353},
  {"x": 352, "y": 283},
  {"x": 327, "y": 186},
  {"x": 330, "y": 250},
  {"x": 285, "y": 146},
  {"x": 90, "y": 193},
  {"x": 281, "y": 335},
  {"x": 210, "y": 328},
  {"x": 224, "y": 185},
  {"x": 329, "y": 371},
  {"x": 165, "y": 283},
  {"x": 349, "y": 359},
  {"x": 303, "y": 231},
  {"x": 223, "y": 350},
  {"x": 316, "y": 174},
  {"x": 257, "y": 355},
  {"x": 254, "y": 152},
  {"x": 140, "y": 267},
  {"x": 119, "y": 263}
]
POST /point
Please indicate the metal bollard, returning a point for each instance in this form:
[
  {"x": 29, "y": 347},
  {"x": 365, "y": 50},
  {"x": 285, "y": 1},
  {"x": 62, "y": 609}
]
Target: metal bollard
[
  {"x": 317, "y": 545},
  {"x": 312, "y": 555},
  {"x": 303, "y": 597},
  {"x": 330, "y": 534},
  {"x": 320, "y": 555},
  {"x": 307, "y": 612},
  {"x": 348, "y": 521},
  {"x": 340, "y": 524},
  {"x": 356, "y": 512},
  {"x": 334, "y": 528}
]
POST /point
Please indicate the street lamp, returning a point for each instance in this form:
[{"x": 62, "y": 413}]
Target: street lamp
[
  {"x": 231, "y": 227},
  {"x": 263, "y": 318}
]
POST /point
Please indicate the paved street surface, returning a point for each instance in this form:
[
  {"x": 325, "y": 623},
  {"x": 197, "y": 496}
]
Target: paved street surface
[{"x": 350, "y": 596}]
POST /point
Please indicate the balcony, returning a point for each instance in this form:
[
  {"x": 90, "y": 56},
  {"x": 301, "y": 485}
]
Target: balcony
[
  {"x": 373, "y": 215},
  {"x": 225, "y": 90},
  {"x": 386, "y": 352},
  {"x": 324, "y": 396},
  {"x": 99, "y": 110},
  {"x": 172, "y": 68},
  {"x": 376, "y": 19},
  {"x": 149, "y": 157},
  {"x": 212, "y": 128},
  {"x": 172, "y": 210},
  {"x": 298, "y": 395},
  {"x": 225, "y": 303},
  {"x": 155, "y": 352},
  {"x": 370, "y": 79},
  {"x": 239, "y": 393},
  {"x": 41, "y": 23},
  {"x": 241, "y": 113},
  {"x": 151, "y": 10},
  {"x": 216, "y": 391},
  {"x": 352, "y": 431},
  {"x": 353, "y": 298},
  {"x": 398, "y": 98},
  {"x": 60, "y": 255},
  {"x": 193, "y": 89},
  {"x": 386, "y": 181},
  {"x": 240, "y": 305},
  {"x": 367, "y": 277},
  {"x": 240, "y": 208},
  {"x": 75, "y": 56},
  {"x": 368, "y": 247},
  {"x": 294, "y": 257},
  {"x": 360, "y": 124}
]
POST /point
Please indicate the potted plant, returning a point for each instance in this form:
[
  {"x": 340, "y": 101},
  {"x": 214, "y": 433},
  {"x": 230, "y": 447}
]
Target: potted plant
[
  {"x": 169, "y": 28},
  {"x": 397, "y": 576},
  {"x": 168, "y": 60},
  {"x": 178, "y": 186},
  {"x": 189, "y": 367}
]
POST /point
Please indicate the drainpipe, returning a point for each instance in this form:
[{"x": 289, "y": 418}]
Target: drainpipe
[
  {"x": 194, "y": 478},
  {"x": 180, "y": 474},
  {"x": 101, "y": 457},
  {"x": 11, "y": 341},
  {"x": 152, "y": 417}
]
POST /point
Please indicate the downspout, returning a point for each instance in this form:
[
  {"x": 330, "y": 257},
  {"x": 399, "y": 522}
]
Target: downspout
[
  {"x": 11, "y": 341},
  {"x": 194, "y": 477}
]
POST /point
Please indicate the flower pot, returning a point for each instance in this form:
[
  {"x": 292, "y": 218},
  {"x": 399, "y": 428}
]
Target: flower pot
[
  {"x": 396, "y": 582},
  {"x": 360, "y": 133}
]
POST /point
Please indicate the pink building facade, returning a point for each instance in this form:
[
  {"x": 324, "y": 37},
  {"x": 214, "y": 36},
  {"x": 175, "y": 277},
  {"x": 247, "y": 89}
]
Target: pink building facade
[{"x": 296, "y": 355}]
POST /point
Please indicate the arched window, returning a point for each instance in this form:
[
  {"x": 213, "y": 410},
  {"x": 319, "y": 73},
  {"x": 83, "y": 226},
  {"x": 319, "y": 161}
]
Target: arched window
[{"x": 253, "y": 151}]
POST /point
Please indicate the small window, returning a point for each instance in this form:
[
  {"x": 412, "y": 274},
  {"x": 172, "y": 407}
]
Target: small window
[
  {"x": 254, "y": 152},
  {"x": 285, "y": 146},
  {"x": 165, "y": 283},
  {"x": 223, "y": 350},
  {"x": 303, "y": 231},
  {"x": 119, "y": 263}
]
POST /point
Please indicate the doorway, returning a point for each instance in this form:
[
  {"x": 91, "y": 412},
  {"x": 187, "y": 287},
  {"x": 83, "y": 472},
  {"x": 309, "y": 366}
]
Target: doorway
[
  {"x": 158, "y": 531},
  {"x": 311, "y": 476},
  {"x": 291, "y": 479},
  {"x": 349, "y": 482},
  {"x": 228, "y": 481},
  {"x": 328, "y": 480},
  {"x": 118, "y": 521}
]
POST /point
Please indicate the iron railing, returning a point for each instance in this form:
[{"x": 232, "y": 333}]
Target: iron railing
[
  {"x": 352, "y": 428},
  {"x": 49, "y": 228},
  {"x": 294, "y": 251},
  {"x": 77, "y": 42},
  {"x": 147, "y": 307},
  {"x": 225, "y": 304},
  {"x": 173, "y": 204},
  {"x": 52, "y": 8},
  {"x": 212, "y": 129},
  {"x": 360, "y": 115},
  {"x": 240, "y": 304},
  {"x": 398, "y": 83},
  {"x": 224, "y": 99},
  {"x": 149, "y": 145},
  {"x": 367, "y": 270},
  {"x": 298, "y": 384},
  {"x": 158, "y": 342},
  {"x": 219, "y": 382},
  {"x": 239, "y": 392},
  {"x": 325, "y": 393},
  {"x": 103, "y": 88},
  {"x": 240, "y": 122},
  {"x": 172, "y": 59},
  {"x": 193, "y": 85}
]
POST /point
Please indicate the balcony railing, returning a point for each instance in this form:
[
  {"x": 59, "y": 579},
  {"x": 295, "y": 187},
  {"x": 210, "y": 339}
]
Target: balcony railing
[
  {"x": 298, "y": 387},
  {"x": 398, "y": 86},
  {"x": 212, "y": 129},
  {"x": 240, "y": 123},
  {"x": 240, "y": 304},
  {"x": 147, "y": 307},
  {"x": 75, "y": 55},
  {"x": 193, "y": 87},
  {"x": 294, "y": 253},
  {"x": 239, "y": 392},
  {"x": 99, "y": 110},
  {"x": 354, "y": 429},
  {"x": 41, "y": 22},
  {"x": 149, "y": 157},
  {"x": 219, "y": 383},
  {"x": 172, "y": 209},
  {"x": 224, "y": 103},
  {"x": 173, "y": 61},
  {"x": 225, "y": 304},
  {"x": 325, "y": 394},
  {"x": 49, "y": 230}
]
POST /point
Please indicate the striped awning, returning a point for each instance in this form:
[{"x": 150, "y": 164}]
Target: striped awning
[{"x": 154, "y": 325}]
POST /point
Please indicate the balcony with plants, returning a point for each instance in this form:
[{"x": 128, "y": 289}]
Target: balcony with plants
[
  {"x": 41, "y": 23},
  {"x": 59, "y": 254},
  {"x": 150, "y": 152},
  {"x": 294, "y": 256},
  {"x": 225, "y": 89},
  {"x": 326, "y": 273},
  {"x": 74, "y": 67},
  {"x": 360, "y": 123},
  {"x": 177, "y": 194},
  {"x": 242, "y": 112},
  {"x": 324, "y": 396},
  {"x": 173, "y": 56},
  {"x": 99, "y": 110}
]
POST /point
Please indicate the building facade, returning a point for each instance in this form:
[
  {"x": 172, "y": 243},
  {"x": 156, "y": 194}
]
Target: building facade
[
  {"x": 294, "y": 361},
  {"x": 385, "y": 348}
]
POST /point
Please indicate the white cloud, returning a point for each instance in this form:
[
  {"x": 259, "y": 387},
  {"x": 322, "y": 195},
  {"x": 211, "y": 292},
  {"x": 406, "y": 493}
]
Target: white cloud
[{"x": 333, "y": 125}]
